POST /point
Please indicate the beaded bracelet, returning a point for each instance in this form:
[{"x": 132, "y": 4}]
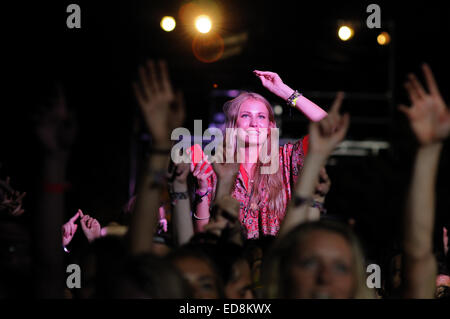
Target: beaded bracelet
[
  {"x": 292, "y": 100},
  {"x": 200, "y": 218},
  {"x": 179, "y": 195}
]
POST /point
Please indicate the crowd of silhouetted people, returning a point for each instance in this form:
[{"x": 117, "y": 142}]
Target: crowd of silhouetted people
[{"x": 235, "y": 228}]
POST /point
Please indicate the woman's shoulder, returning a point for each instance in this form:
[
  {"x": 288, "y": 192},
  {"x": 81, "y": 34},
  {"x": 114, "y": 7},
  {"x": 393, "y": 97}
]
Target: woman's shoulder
[{"x": 296, "y": 145}]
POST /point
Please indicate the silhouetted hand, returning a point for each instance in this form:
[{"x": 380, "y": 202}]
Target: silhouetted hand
[
  {"x": 329, "y": 132},
  {"x": 155, "y": 95},
  {"x": 69, "y": 229},
  {"x": 91, "y": 227},
  {"x": 428, "y": 115}
]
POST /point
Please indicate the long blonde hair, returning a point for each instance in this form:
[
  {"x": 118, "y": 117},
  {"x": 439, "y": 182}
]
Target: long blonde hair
[{"x": 270, "y": 185}]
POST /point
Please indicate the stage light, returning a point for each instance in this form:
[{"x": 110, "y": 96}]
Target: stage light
[
  {"x": 203, "y": 24},
  {"x": 383, "y": 38},
  {"x": 168, "y": 23},
  {"x": 345, "y": 33}
]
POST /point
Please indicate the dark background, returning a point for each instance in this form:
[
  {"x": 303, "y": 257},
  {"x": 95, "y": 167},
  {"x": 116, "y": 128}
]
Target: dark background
[{"x": 296, "y": 39}]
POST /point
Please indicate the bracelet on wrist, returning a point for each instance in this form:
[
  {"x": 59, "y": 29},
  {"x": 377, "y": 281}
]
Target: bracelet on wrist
[
  {"x": 203, "y": 194},
  {"x": 292, "y": 100},
  {"x": 200, "y": 218},
  {"x": 199, "y": 196}
]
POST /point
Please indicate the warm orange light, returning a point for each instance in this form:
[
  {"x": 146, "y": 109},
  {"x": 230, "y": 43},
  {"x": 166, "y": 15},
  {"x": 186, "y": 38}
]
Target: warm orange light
[
  {"x": 168, "y": 23},
  {"x": 203, "y": 23},
  {"x": 345, "y": 33},
  {"x": 383, "y": 38}
]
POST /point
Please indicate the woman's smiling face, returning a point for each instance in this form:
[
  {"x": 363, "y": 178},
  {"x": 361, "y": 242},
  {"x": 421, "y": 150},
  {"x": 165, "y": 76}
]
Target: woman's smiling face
[{"x": 253, "y": 122}]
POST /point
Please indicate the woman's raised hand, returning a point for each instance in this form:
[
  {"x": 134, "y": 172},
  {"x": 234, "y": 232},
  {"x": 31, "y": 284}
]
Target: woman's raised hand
[
  {"x": 273, "y": 82},
  {"x": 202, "y": 171}
]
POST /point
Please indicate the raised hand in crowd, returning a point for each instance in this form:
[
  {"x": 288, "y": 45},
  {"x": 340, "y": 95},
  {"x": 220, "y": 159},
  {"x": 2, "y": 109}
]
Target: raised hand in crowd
[
  {"x": 154, "y": 95},
  {"x": 69, "y": 229},
  {"x": 91, "y": 227},
  {"x": 324, "y": 137},
  {"x": 328, "y": 133},
  {"x": 202, "y": 171},
  {"x": 163, "y": 110},
  {"x": 429, "y": 119},
  {"x": 272, "y": 82},
  {"x": 428, "y": 114}
]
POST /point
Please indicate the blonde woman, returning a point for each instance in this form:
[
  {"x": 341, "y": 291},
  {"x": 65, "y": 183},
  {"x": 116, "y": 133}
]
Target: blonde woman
[{"x": 263, "y": 197}]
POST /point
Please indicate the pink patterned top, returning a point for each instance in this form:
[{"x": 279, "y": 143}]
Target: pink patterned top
[{"x": 259, "y": 220}]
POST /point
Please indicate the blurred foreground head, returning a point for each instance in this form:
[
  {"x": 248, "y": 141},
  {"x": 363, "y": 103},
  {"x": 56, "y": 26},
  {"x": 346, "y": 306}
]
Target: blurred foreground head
[{"x": 319, "y": 260}]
